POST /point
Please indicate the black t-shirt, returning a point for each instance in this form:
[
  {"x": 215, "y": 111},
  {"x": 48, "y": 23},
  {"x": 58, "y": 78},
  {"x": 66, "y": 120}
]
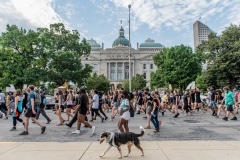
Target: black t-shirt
[
  {"x": 198, "y": 99},
  {"x": 83, "y": 106},
  {"x": 185, "y": 99},
  {"x": 193, "y": 96},
  {"x": 175, "y": 98},
  {"x": 213, "y": 95}
]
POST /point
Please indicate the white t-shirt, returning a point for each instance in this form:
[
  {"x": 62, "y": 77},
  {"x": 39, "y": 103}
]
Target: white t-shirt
[
  {"x": 95, "y": 101},
  {"x": 2, "y": 97}
]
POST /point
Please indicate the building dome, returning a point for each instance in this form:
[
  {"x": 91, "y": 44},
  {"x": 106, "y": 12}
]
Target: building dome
[
  {"x": 150, "y": 43},
  {"x": 93, "y": 43},
  {"x": 121, "y": 41}
]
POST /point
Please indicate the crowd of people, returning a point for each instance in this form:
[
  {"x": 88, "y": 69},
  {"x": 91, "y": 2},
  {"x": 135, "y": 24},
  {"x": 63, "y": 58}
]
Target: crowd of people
[{"x": 80, "y": 105}]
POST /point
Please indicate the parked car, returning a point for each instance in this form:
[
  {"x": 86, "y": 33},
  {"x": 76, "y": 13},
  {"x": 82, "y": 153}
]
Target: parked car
[{"x": 50, "y": 102}]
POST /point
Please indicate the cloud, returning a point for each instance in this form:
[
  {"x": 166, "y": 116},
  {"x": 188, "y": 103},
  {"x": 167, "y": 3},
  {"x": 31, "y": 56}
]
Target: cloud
[
  {"x": 28, "y": 13},
  {"x": 68, "y": 10},
  {"x": 177, "y": 14}
]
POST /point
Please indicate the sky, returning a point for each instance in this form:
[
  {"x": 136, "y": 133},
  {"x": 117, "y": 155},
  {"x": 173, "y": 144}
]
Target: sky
[{"x": 169, "y": 22}]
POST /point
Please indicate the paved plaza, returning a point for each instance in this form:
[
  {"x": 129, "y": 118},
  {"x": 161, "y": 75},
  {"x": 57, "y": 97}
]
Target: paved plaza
[{"x": 193, "y": 137}]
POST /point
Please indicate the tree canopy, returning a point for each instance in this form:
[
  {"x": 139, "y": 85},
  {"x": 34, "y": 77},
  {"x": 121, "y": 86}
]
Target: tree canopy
[
  {"x": 177, "y": 66},
  {"x": 98, "y": 82},
  {"x": 223, "y": 52},
  {"x": 137, "y": 82},
  {"x": 45, "y": 55}
]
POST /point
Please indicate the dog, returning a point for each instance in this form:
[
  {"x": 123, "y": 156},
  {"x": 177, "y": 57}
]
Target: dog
[{"x": 117, "y": 139}]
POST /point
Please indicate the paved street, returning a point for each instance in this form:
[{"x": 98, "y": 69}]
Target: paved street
[
  {"x": 196, "y": 127},
  {"x": 194, "y": 137}
]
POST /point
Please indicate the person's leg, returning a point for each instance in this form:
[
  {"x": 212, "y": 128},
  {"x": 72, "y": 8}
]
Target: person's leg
[
  {"x": 38, "y": 112},
  {"x": 73, "y": 120},
  {"x": 45, "y": 114},
  {"x": 101, "y": 111},
  {"x": 120, "y": 125},
  {"x": 125, "y": 124}
]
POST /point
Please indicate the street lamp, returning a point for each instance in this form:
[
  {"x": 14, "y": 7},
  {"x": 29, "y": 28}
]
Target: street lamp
[{"x": 130, "y": 84}]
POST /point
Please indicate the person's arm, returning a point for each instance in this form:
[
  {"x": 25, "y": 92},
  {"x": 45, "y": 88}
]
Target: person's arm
[{"x": 32, "y": 104}]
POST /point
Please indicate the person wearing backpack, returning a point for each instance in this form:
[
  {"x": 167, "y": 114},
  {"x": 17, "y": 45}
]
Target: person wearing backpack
[
  {"x": 31, "y": 112},
  {"x": 41, "y": 108}
]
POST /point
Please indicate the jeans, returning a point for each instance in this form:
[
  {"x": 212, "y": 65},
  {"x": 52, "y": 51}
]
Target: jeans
[
  {"x": 1, "y": 108},
  {"x": 42, "y": 110},
  {"x": 154, "y": 119}
]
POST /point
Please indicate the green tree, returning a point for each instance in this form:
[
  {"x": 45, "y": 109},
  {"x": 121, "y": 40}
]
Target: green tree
[
  {"x": 17, "y": 57},
  {"x": 137, "y": 82},
  {"x": 98, "y": 82},
  {"x": 200, "y": 82},
  {"x": 224, "y": 53},
  {"x": 177, "y": 66},
  {"x": 46, "y": 55}
]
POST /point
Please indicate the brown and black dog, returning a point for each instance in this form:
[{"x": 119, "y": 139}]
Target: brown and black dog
[{"x": 117, "y": 139}]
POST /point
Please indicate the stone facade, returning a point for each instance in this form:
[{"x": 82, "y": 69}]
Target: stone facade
[{"x": 114, "y": 62}]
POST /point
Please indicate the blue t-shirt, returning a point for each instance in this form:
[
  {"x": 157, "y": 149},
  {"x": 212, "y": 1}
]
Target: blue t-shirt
[
  {"x": 31, "y": 95},
  {"x": 229, "y": 96}
]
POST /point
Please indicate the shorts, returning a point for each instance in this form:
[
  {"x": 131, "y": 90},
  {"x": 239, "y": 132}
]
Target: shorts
[
  {"x": 213, "y": 104},
  {"x": 230, "y": 108},
  {"x": 69, "y": 106},
  {"x": 149, "y": 109},
  {"x": 198, "y": 101},
  {"x": 82, "y": 111},
  {"x": 115, "y": 104},
  {"x": 30, "y": 114}
]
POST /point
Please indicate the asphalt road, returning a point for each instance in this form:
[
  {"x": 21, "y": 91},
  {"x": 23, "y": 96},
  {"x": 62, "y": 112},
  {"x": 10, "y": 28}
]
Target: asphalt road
[{"x": 196, "y": 127}]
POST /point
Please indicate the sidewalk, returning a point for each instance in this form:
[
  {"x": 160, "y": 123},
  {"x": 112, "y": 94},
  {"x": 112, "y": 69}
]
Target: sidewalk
[{"x": 153, "y": 150}]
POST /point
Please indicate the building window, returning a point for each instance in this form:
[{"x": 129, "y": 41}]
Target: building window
[
  {"x": 144, "y": 66},
  {"x": 144, "y": 75},
  {"x": 151, "y": 66},
  {"x": 126, "y": 70},
  {"x": 95, "y": 67},
  {"x": 112, "y": 71},
  {"x": 126, "y": 75},
  {"x": 119, "y": 70},
  {"x": 112, "y": 76},
  {"x": 119, "y": 76}
]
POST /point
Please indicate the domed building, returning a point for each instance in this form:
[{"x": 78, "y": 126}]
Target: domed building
[
  {"x": 114, "y": 62},
  {"x": 121, "y": 41}
]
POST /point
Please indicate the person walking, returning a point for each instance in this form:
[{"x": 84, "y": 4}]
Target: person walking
[
  {"x": 95, "y": 106},
  {"x": 229, "y": 101},
  {"x": 2, "y": 103},
  {"x": 69, "y": 103},
  {"x": 154, "y": 113},
  {"x": 82, "y": 112},
  {"x": 42, "y": 106},
  {"x": 124, "y": 112},
  {"x": 31, "y": 112},
  {"x": 18, "y": 109}
]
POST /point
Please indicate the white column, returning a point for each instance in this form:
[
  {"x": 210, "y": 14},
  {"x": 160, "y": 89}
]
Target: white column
[
  {"x": 115, "y": 70},
  {"x": 109, "y": 70}
]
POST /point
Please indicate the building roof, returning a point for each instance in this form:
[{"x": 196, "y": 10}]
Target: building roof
[
  {"x": 93, "y": 43},
  {"x": 121, "y": 41},
  {"x": 150, "y": 43}
]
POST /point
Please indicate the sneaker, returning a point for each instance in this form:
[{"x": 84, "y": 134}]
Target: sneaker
[
  {"x": 24, "y": 133},
  {"x": 217, "y": 116},
  {"x": 102, "y": 120},
  {"x": 76, "y": 132},
  {"x": 6, "y": 118},
  {"x": 234, "y": 118},
  {"x": 225, "y": 119},
  {"x": 93, "y": 129},
  {"x": 156, "y": 130},
  {"x": 162, "y": 113},
  {"x": 106, "y": 118},
  {"x": 13, "y": 129},
  {"x": 43, "y": 129},
  {"x": 67, "y": 124},
  {"x": 48, "y": 121},
  {"x": 176, "y": 115}
]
